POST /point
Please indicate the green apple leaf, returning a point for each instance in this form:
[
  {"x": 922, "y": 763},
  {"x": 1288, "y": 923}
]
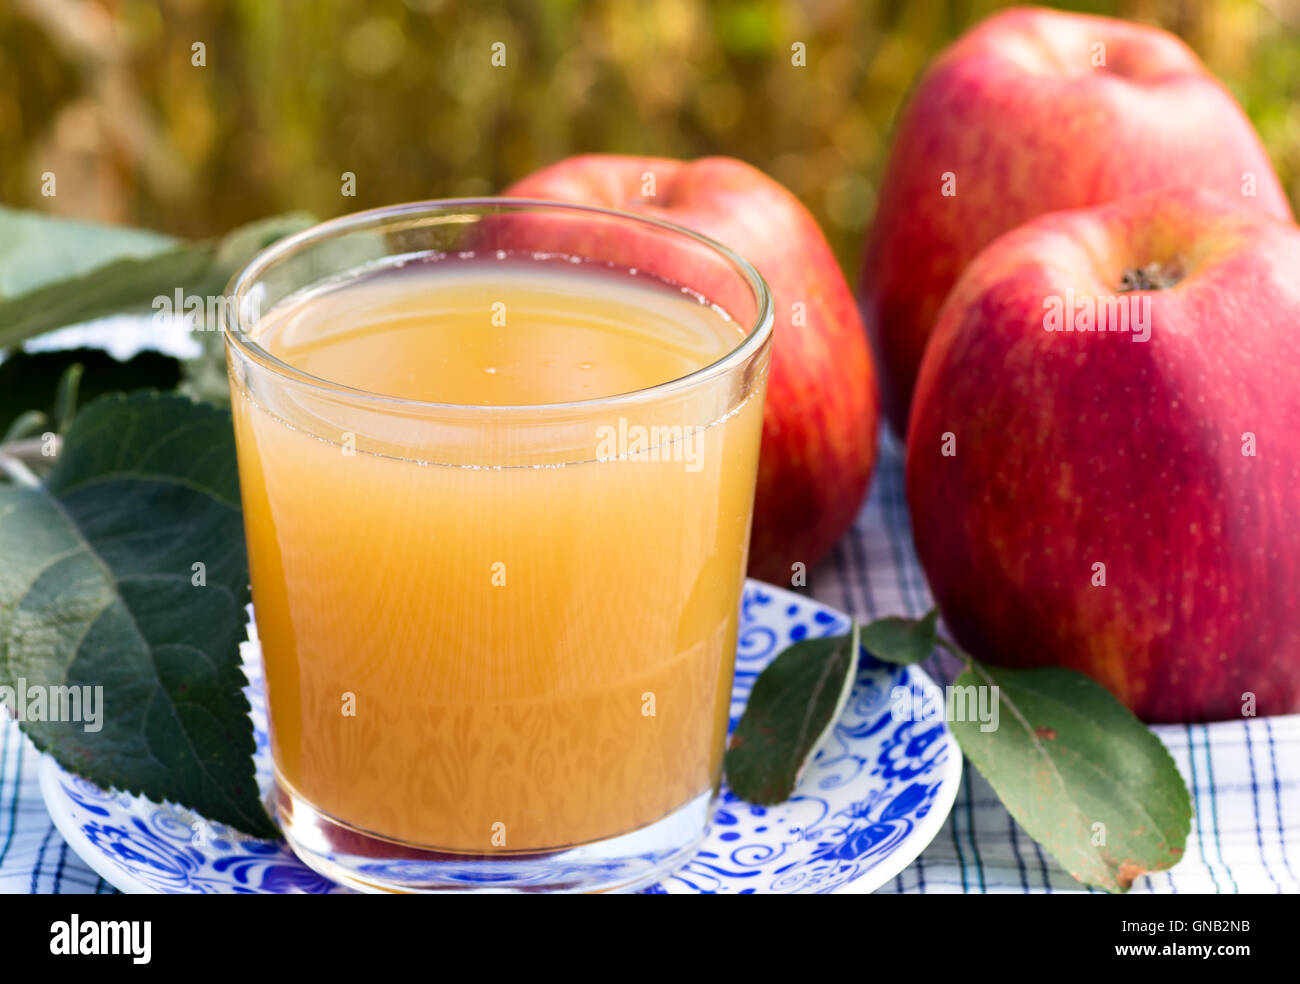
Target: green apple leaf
[
  {"x": 902, "y": 641},
  {"x": 794, "y": 705},
  {"x": 119, "y": 286},
  {"x": 1081, "y": 774},
  {"x": 37, "y": 250},
  {"x": 125, "y": 569},
  {"x": 50, "y": 290}
]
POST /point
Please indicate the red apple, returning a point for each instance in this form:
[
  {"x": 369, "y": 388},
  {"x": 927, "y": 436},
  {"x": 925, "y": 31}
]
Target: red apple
[
  {"x": 1122, "y": 500},
  {"x": 820, "y": 420},
  {"x": 1030, "y": 112}
]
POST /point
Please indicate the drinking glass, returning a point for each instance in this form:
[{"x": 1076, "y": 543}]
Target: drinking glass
[{"x": 498, "y": 639}]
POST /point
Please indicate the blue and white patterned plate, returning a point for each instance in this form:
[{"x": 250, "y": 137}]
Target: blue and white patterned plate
[{"x": 874, "y": 797}]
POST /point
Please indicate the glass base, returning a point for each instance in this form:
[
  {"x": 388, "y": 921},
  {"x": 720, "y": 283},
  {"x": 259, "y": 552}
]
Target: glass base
[{"x": 370, "y": 863}]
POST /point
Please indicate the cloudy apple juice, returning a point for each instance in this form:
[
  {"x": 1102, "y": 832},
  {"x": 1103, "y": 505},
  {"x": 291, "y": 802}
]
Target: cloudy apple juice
[{"x": 496, "y": 573}]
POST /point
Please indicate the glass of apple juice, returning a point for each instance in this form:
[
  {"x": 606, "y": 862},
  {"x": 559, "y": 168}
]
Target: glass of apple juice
[{"x": 497, "y": 460}]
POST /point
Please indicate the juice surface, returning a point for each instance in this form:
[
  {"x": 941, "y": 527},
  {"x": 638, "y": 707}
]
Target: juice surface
[
  {"x": 497, "y": 658},
  {"x": 503, "y": 333}
]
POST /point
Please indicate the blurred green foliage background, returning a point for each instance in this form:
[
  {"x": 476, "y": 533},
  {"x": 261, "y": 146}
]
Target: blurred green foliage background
[{"x": 403, "y": 93}]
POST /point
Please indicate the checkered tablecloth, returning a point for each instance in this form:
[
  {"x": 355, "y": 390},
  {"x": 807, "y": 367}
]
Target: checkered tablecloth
[{"x": 1244, "y": 775}]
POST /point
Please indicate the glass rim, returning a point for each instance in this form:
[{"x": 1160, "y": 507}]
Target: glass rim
[{"x": 237, "y": 290}]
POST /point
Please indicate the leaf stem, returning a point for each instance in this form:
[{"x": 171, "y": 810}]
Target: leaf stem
[
  {"x": 19, "y": 472},
  {"x": 956, "y": 650}
]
